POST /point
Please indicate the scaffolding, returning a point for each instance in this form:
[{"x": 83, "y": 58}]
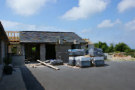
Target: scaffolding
[{"x": 13, "y": 36}]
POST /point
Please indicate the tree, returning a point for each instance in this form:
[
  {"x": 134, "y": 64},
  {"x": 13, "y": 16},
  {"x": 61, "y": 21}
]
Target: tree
[
  {"x": 122, "y": 47},
  {"x": 102, "y": 45},
  {"x": 111, "y": 48}
]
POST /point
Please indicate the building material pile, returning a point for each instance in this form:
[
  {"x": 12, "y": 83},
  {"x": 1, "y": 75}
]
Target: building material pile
[
  {"x": 80, "y": 61},
  {"x": 95, "y": 57},
  {"x": 98, "y": 61},
  {"x": 77, "y": 58},
  {"x": 76, "y": 52},
  {"x": 71, "y": 61},
  {"x": 56, "y": 62},
  {"x": 83, "y": 61},
  {"x": 98, "y": 56}
]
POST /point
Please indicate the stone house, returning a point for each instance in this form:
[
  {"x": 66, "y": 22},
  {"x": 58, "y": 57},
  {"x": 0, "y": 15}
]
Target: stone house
[
  {"x": 3, "y": 44},
  {"x": 44, "y": 45}
]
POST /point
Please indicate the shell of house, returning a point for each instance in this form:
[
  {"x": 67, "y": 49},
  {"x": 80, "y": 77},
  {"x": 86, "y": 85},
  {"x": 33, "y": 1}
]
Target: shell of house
[{"x": 44, "y": 45}]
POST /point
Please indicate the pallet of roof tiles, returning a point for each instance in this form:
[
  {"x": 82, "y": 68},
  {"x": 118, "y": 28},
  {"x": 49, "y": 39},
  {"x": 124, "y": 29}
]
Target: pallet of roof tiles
[
  {"x": 76, "y": 52},
  {"x": 98, "y": 61},
  {"x": 95, "y": 52},
  {"x": 82, "y": 61},
  {"x": 72, "y": 61}
]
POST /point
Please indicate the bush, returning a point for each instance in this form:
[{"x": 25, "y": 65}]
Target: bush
[
  {"x": 132, "y": 54},
  {"x": 122, "y": 47}
]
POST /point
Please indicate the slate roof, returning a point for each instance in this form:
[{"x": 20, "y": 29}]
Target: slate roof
[{"x": 48, "y": 37}]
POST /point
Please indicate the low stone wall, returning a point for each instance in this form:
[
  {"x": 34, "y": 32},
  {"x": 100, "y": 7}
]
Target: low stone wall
[{"x": 18, "y": 60}]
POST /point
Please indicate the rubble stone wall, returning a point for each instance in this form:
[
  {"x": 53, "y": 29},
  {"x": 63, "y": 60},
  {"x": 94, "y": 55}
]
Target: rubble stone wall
[{"x": 62, "y": 52}]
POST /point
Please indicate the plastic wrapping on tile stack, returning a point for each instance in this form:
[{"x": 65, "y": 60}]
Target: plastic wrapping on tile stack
[
  {"x": 96, "y": 52},
  {"x": 98, "y": 61},
  {"x": 72, "y": 61},
  {"x": 76, "y": 52},
  {"x": 73, "y": 53},
  {"x": 98, "y": 56},
  {"x": 83, "y": 61}
]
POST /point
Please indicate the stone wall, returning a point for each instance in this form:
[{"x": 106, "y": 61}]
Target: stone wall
[
  {"x": 3, "y": 51},
  {"x": 62, "y": 52},
  {"x": 22, "y": 49},
  {"x": 0, "y": 53},
  {"x": 42, "y": 52}
]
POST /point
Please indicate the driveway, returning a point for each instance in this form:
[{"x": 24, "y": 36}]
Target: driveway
[{"x": 113, "y": 76}]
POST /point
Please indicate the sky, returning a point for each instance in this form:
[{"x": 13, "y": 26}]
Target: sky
[{"x": 110, "y": 21}]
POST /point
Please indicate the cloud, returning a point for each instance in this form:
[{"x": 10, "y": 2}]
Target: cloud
[
  {"x": 26, "y": 7},
  {"x": 85, "y": 9},
  {"x": 130, "y": 25},
  {"x": 108, "y": 23},
  {"x": 125, "y": 5},
  {"x": 9, "y": 24},
  {"x": 17, "y": 26}
]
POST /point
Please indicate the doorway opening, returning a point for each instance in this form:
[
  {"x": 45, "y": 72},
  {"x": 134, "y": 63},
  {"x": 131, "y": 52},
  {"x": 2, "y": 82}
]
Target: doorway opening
[
  {"x": 50, "y": 51},
  {"x": 32, "y": 52}
]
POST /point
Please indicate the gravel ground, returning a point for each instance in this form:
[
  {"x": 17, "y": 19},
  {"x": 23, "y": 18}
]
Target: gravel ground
[{"x": 113, "y": 76}]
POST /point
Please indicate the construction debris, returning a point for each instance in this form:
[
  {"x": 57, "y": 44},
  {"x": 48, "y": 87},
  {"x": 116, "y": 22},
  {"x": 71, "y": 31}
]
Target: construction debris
[
  {"x": 34, "y": 65},
  {"x": 48, "y": 65},
  {"x": 71, "y": 66},
  {"x": 119, "y": 56},
  {"x": 56, "y": 62}
]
